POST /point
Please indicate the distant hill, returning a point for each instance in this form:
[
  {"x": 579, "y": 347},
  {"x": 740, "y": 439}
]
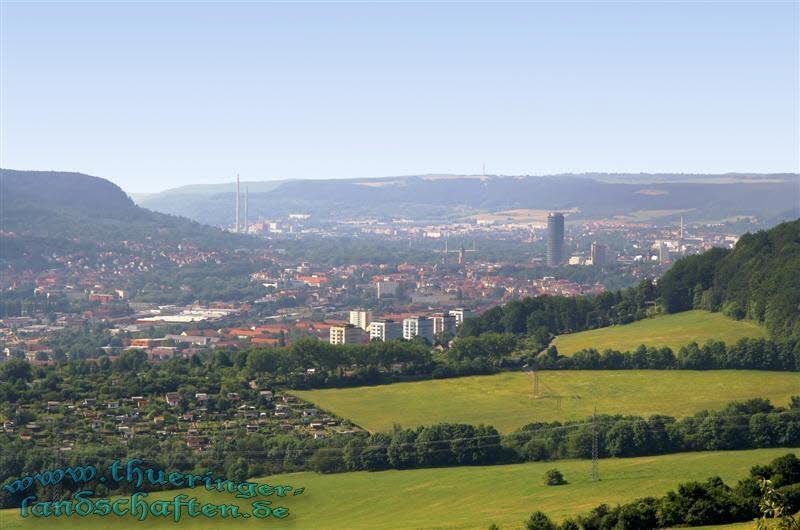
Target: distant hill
[
  {"x": 595, "y": 195},
  {"x": 45, "y": 210}
]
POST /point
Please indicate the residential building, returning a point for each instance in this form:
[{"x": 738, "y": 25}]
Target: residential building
[
  {"x": 386, "y": 329},
  {"x": 418, "y": 326},
  {"x": 598, "y": 254},
  {"x": 444, "y": 324},
  {"x": 361, "y": 319},
  {"x": 460, "y": 314},
  {"x": 346, "y": 334},
  {"x": 387, "y": 288}
]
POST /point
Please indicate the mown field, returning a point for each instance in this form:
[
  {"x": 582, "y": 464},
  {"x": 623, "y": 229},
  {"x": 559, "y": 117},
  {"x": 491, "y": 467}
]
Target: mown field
[
  {"x": 750, "y": 525},
  {"x": 674, "y": 330},
  {"x": 463, "y": 497},
  {"x": 506, "y": 400}
]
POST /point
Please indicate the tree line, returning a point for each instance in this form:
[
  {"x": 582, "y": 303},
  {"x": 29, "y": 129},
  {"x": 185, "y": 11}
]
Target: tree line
[
  {"x": 740, "y": 425},
  {"x": 546, "y": 316},
  {"x": 746, "y": 354}
]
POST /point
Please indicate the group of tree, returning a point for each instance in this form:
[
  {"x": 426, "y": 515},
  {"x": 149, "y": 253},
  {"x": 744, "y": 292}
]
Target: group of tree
[
  {"x": 236, "y": 456},
  {"x": 546, "y": 316},
  {"x": 740, "y": 425},
  {"x": 768, "y": 489},
  {"x": 440, "y": 445},
  {"x": 746, "y": 354},
  {"x": 26, "y": 301}
]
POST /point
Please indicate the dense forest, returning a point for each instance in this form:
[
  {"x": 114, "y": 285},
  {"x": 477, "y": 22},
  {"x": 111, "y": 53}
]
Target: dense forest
[
  {"x": 759, "y": 280},
  {"x": 545, "y": 316},
  {"x": 48, "y": 211}
]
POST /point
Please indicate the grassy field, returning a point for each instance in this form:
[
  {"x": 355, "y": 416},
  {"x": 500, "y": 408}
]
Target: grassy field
[
  {"x": 674, "y": 330},
  {"x": 505, "y": 400},
  {"x": 464, "y": 497},
  {"x": 751, "y": 525}
]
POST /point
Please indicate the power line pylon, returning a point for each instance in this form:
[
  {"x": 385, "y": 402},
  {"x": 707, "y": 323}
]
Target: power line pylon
[{"x": 595, "y": 448}]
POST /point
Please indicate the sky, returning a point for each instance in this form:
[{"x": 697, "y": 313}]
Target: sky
[{"x": 158, "y": 95}]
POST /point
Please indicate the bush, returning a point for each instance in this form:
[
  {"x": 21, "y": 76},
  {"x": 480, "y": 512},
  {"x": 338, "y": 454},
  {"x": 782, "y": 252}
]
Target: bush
[
  {"x": 554, "y": 478},
  {"x": 539, "y": 521}
]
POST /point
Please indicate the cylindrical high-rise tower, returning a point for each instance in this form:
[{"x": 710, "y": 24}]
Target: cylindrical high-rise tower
[{"x": 555, "y": 239}]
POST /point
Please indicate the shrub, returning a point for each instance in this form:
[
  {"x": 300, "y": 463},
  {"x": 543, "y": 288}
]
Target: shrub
[
  {"x": 554, "y": 478},
  {"x": 539, "y": 521}
]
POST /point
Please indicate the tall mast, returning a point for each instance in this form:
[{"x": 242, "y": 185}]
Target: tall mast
[
  {"x": 237, "y": 203},
  {"x": 246, "y": 202}
]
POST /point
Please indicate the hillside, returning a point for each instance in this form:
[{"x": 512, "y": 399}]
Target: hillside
[
  {"x": 674, "y": 331},
  {"x": 505, "y": 400},
  {"x": 43, "y": 211},
  {"x": 453, "y": 196},
  {"x": 759, "y": 280},
  {"x": 459, "y": 497}
]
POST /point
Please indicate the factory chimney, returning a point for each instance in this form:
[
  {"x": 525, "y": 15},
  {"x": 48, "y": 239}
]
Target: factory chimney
[
  {"x": 246, "y": 203},
  {"x": 237, "y": 203}
]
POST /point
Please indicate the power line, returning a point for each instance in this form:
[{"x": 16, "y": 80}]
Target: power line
[{"x": 594, "y": 422}]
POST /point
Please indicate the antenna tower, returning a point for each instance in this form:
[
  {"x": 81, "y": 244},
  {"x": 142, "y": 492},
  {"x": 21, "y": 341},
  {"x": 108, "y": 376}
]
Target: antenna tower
[
  {"x": 237, "y": 203},
  {"x": 246, "y": 203}
]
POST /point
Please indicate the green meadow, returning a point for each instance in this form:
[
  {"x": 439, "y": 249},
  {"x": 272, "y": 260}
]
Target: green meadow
[
  {"x": 673, "y": 330},
  {"x": 461, "y": 497},
  {"x": 506, "y": 400}
]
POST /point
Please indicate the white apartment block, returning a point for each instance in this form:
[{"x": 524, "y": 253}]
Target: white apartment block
[
  {"x": 414, "y": 326},
  {"x": 460, "y": 314},
  {"x": 386, "y": 330},
  {"x": 444, "y": 324},
  {"x": 347, "y": 334},
  {"x": 361, "y": 319}
]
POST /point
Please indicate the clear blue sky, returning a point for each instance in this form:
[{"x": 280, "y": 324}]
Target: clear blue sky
[{"x": 154, "y": 96}]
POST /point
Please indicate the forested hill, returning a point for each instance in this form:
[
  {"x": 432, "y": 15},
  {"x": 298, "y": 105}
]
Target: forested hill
[
  {"x": 66, "y": 192},
  {"x": 759, "y": 280},
  {"x": 44, "y": 211},
  {"x": 697, "y": 197}
]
